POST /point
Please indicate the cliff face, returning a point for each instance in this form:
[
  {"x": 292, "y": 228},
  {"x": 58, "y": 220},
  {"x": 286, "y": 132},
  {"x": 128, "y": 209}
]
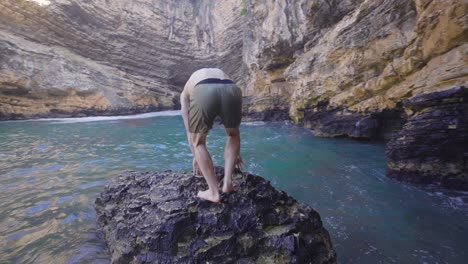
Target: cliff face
[
  {"x": 294, "y": 59},
  {"x": 344, "y": 68},
  {"x": 69, "y": 57},
  {"x": 347, "y": 57}
]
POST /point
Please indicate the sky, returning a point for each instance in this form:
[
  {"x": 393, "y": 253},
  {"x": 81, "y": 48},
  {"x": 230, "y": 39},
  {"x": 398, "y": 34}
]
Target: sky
[{"x": 42, "y": 2}]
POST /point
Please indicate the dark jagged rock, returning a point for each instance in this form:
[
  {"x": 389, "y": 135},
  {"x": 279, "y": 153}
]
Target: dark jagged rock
[
  {"x": 266, "y": 115},
  {"x": 328, "y": 121},
  {"x": 155, "y": 217},
  {"x": 277, "y": 111},
  {"x": 432, "y": 147}
]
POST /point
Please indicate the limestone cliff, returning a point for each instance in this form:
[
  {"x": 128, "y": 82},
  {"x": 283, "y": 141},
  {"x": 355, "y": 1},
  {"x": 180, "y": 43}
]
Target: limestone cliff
[
  {"x": 309, "y": 60},
  {"x": 342, "y": 58},
  {"x": 67, "y": 57},
  {"x": 344, "y": 68}
]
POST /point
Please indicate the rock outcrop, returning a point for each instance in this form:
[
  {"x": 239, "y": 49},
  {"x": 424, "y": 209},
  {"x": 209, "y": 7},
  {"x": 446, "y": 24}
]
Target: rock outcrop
[
  {"x": 345, "y": 63},
  {"x": 155, "y": 217},
  {"x": 432, "y": 147}
]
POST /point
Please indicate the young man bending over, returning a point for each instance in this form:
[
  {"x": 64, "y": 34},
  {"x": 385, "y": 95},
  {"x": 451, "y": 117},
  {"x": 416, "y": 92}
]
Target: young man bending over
[{"x": 209, "y": 93}]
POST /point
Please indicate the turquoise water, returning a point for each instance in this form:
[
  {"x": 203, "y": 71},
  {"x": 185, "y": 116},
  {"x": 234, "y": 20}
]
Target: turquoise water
[{"x": 51, "y": 171}]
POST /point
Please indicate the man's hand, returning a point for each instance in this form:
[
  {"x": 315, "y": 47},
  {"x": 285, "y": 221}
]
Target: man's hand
[
  {"x": 239, "y": 163},
  {"x": 195, "y": 168}
]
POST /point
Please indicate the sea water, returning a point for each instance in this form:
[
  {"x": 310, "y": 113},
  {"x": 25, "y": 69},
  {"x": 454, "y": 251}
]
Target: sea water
[{"x": 52, "y": 170}]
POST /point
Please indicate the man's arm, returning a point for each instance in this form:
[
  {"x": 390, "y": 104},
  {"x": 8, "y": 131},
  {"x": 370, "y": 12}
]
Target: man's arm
[{"x": 185, "y": 104}]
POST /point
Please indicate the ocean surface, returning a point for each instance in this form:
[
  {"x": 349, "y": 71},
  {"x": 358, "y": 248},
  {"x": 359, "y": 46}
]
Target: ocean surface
[{"x": 52, "y": 170}]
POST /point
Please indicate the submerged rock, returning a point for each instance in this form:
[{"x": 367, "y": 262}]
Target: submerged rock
[
  {"x": 156, "y": 217},
  {"x": 432, "y": 147}
]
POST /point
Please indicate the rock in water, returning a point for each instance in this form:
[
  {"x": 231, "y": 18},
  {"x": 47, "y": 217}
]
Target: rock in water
[
  {"x": 156, "y": 217},
  {"x": 432, "y": 147}
]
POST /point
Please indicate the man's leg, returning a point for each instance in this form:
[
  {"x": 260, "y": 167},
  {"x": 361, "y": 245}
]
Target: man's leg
[
  {"x": 206, "y": 166},
  {"x": 230, "y": 154}
]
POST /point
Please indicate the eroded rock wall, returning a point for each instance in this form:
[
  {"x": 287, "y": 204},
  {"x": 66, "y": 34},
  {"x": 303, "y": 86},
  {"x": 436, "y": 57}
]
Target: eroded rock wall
[
  {"x": 432, "y": 146},
  {"x": 345, "y": 62},
  {"x": 67, "y": 57},
  {"x": 314, "y": 61},
  {"x": 344, "y": 68}
]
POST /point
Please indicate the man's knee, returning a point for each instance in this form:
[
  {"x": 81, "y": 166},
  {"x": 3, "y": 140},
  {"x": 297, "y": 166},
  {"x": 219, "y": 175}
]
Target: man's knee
[
  {"x": 232, "y": 132},
  {"x": 198, "y": 139}
]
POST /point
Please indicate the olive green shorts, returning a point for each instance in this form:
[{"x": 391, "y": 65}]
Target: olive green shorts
[{"x": 209, "y": 100}]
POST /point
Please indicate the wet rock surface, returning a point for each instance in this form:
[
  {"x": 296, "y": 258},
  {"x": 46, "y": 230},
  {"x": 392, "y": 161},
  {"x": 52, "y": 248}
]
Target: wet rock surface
[
  {"x": 156, "y": 217},
  {"x": 432, "y": 146},
  {"x": 277, "y": 110},
  {"x": 329, "y": 121}
]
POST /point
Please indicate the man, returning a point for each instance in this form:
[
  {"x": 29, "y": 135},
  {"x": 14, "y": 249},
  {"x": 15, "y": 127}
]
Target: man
[{"x": 209, "y": 93}]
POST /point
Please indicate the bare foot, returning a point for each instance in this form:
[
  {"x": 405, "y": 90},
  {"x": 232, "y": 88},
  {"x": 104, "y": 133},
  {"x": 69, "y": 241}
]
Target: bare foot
[
  {"x": 208, "y": 196},
  {"x": 228, "y": 188}
]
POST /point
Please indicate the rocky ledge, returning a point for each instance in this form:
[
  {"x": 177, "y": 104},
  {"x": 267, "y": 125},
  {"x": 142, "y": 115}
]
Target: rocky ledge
[
  {"x": 155, "y": 217},
  {"x": 432, "y": 147},
  {"x": 332, "y": 121}
]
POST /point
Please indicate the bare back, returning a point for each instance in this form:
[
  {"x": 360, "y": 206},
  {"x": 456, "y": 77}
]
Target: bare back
[{"x": 202, "y": 74}]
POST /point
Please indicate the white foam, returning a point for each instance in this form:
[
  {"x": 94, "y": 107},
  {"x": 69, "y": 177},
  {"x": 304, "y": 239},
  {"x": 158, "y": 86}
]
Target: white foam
[
  {"x": 101, "y": 118},
  {"x": 42, "y": 2},
  {"x": 254, "y": 123}
]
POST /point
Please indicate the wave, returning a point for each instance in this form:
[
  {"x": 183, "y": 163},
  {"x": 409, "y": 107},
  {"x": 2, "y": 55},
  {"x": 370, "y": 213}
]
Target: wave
[
  {"x": 101, "y": 118},
  {"x": 254, "y": 123}
]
